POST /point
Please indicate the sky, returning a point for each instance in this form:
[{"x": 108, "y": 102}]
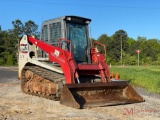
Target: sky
[{"x": 136, "y": 17}]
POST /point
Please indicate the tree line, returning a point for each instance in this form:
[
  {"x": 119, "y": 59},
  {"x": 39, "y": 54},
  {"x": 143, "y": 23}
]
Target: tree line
[
  {"x": 9, "y": 40},
  {"x": 121, "y": 49}
]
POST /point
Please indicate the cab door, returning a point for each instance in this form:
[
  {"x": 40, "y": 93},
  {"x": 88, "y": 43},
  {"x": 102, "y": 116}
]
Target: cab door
[{"x": 76, "y": 33}]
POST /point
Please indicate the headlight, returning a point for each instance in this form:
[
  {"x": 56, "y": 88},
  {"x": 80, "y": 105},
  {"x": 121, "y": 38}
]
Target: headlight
[
  {"x": 69, "y": 18},
  {"x": 87, "y": 22}
]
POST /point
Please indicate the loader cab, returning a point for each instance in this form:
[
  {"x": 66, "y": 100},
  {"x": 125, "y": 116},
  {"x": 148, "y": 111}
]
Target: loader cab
[{"x": 73, "y": 28}]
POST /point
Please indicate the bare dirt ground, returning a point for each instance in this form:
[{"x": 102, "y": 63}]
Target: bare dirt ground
[{"x": 15, "y": 105}]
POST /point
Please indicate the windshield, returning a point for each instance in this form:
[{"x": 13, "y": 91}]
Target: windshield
[{"x": 76, "y": 33}]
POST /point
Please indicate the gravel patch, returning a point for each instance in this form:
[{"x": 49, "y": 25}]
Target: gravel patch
[{"x": 15, "y": 105}]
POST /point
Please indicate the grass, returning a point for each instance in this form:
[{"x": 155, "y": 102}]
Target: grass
[{"x": 146, "y": 76}]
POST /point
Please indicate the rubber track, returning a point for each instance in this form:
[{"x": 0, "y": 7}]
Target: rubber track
[{"x": 46, "y": 74}]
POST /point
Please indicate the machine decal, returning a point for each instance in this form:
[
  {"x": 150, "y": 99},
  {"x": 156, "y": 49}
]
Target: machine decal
[
  {"x": 24, "y": 48},
  {"x": 56, "y": 52},
  {"x": 56, "y": 55},
  {"x": 36, "y": 42}
]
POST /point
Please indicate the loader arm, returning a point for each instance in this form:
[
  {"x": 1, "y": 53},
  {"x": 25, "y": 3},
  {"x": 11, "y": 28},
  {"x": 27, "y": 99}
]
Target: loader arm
[{"x": 56, "y": 54}]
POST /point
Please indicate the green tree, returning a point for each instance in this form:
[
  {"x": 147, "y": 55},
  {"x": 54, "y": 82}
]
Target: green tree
[
  {"x": 119, "y": 41},
  {"x": 30, "y": 28},
  {"x": 9, "y": 40},
  {"x": 18, "y": 28},
  {"x": 130, "y": 46},
  {"x": 8, "y": 46},
  {"x": 153, "y": 48}
]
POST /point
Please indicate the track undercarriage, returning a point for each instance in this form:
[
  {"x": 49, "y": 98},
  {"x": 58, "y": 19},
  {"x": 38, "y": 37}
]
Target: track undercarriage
[{"x": 42, "y": 82}]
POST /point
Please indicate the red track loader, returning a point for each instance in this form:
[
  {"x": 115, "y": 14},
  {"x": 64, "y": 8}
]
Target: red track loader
[{"x": 65, "y": 65}]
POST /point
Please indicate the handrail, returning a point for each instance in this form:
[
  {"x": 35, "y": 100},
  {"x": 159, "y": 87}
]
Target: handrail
[
  {"x": 104, "y": 47},
  {"x": 68, "y": 41}
]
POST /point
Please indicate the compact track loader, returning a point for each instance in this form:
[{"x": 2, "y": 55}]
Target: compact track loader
[{"x": 65, "y": 65}]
